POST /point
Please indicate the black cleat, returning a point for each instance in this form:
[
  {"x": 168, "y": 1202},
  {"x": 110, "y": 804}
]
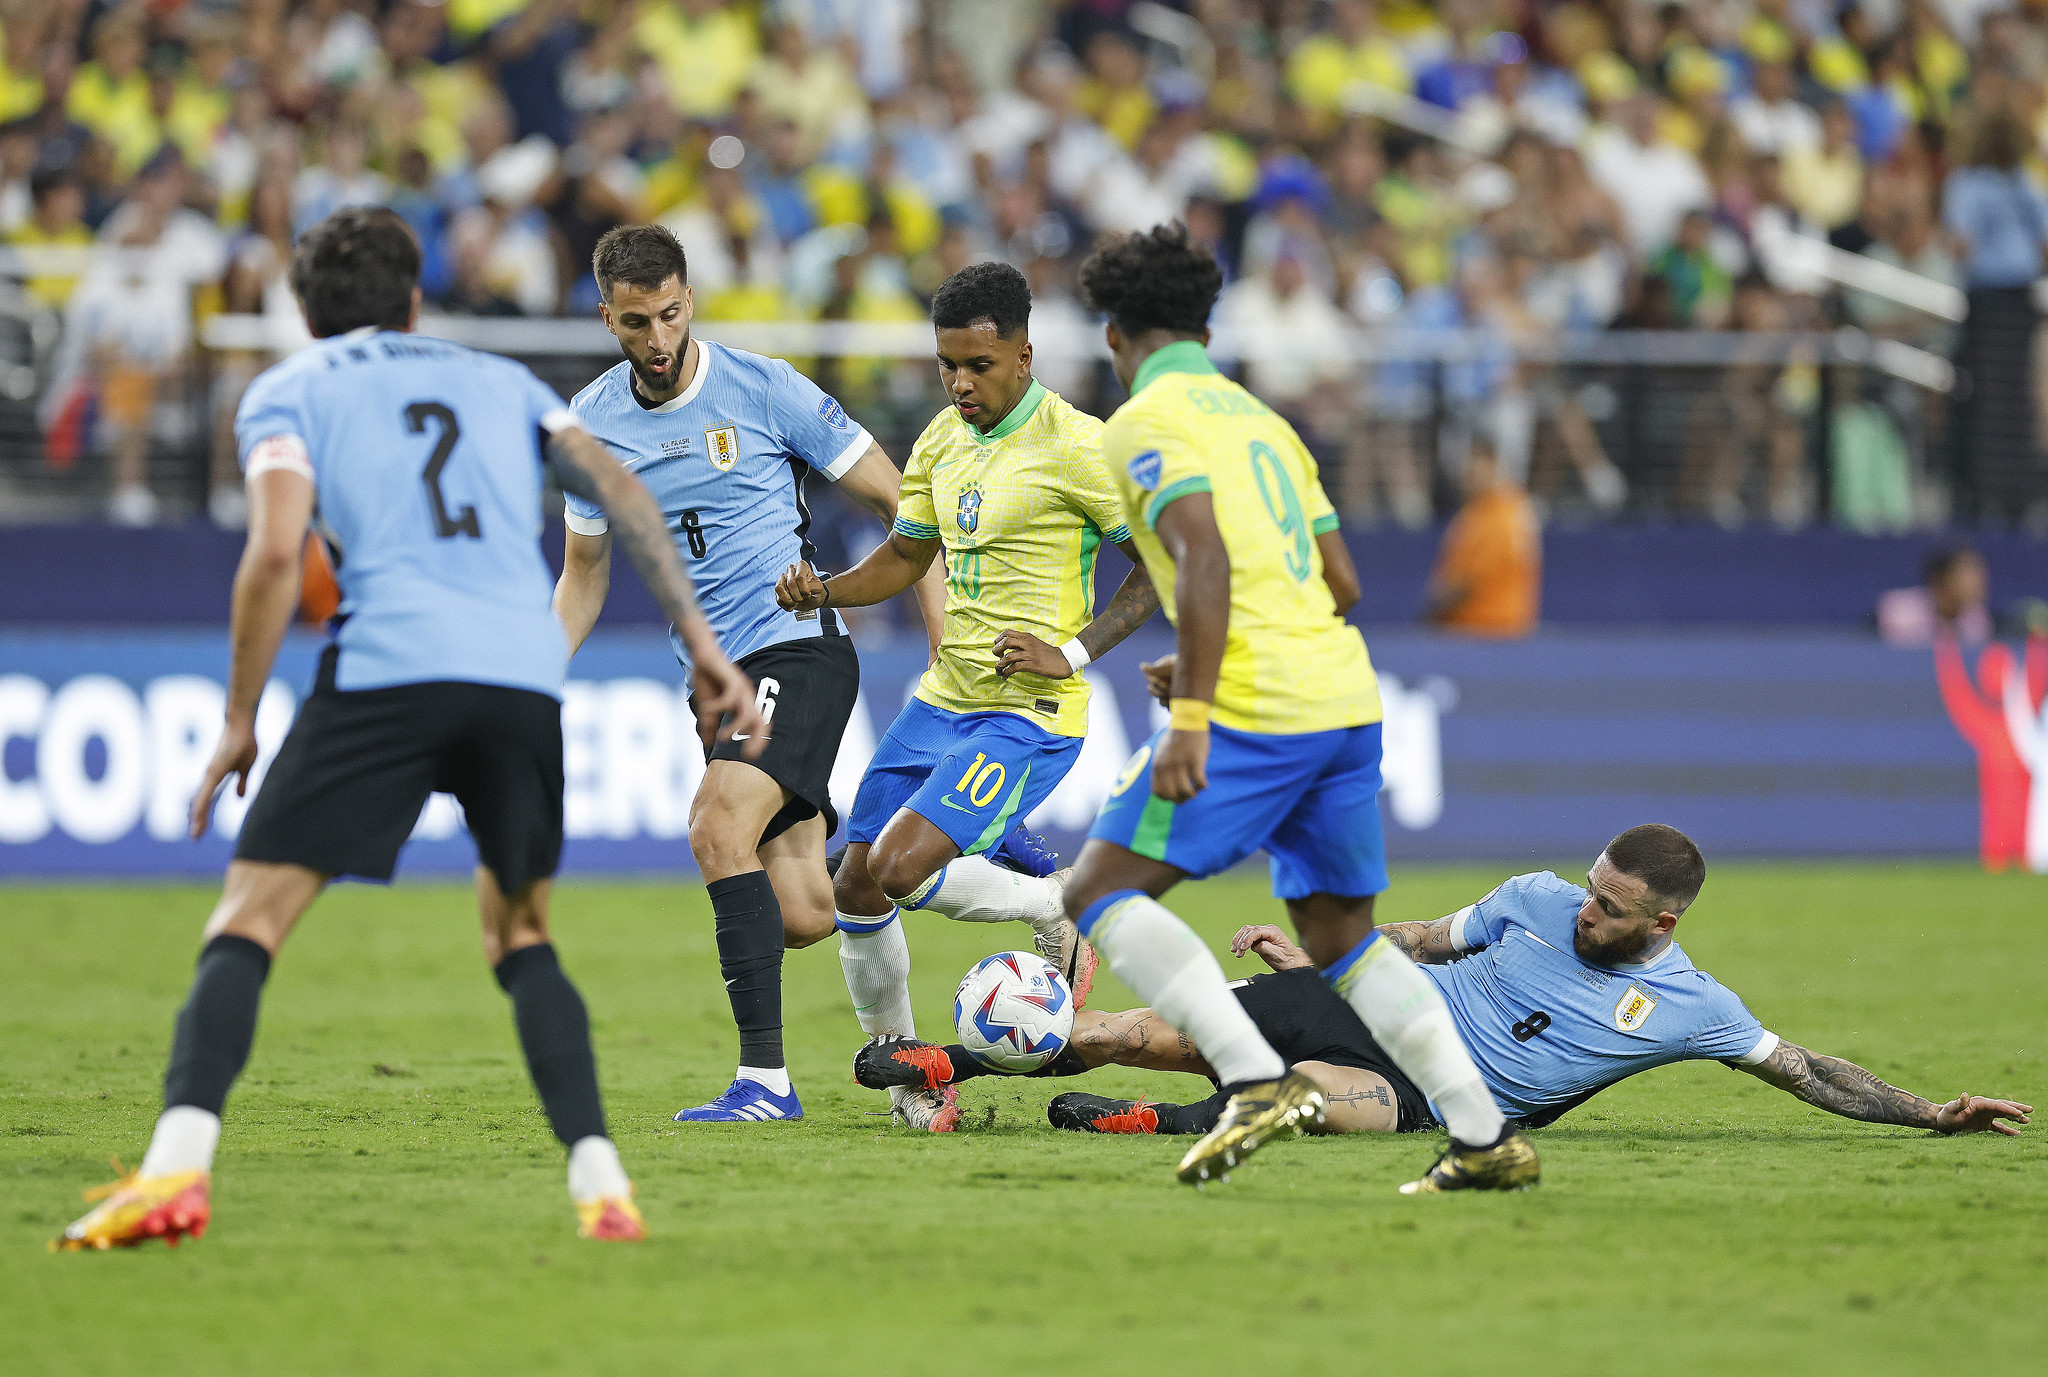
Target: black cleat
[
  {"x": 893, "y": 1059},
  {"x": 1078, "y": 1112}
]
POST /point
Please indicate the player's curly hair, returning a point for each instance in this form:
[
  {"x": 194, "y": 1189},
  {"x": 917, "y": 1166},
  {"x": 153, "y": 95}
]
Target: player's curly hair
[
  {"x": 995, "y": 292},
  {"x": 1153, "y": 280},
  {"x": 355, "y": 268}
]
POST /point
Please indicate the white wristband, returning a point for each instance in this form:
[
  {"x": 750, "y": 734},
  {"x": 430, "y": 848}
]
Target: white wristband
[{"x": 1077, "y": 657}]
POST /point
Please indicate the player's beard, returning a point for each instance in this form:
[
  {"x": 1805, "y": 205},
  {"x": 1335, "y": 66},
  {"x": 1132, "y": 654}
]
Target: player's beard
[
  {"x": 1625, "y": 950},
  {"x": 662, "y": 383}
]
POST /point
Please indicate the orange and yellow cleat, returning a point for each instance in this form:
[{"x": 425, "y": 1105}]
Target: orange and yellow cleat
[
  {"x": 610, "y": 1219},
  {"x": 137, "y": 1208}
]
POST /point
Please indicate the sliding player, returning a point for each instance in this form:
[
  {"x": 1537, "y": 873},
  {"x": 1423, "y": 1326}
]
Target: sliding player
[
  {"x": 1274, "y": 737},
  {"x": 1010, "y": 480},
  {"x": 725, "y": 439},
  {"x": 1560, "y": 991},
  {"x": 427, "y": 463}
]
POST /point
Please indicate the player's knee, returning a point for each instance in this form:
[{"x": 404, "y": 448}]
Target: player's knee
[
  {"x": 898, "y": 873},
  {"x": 854, "y": 890},
  {"x": 806, "y": 924},
  {"x": 720, "y": 848}
]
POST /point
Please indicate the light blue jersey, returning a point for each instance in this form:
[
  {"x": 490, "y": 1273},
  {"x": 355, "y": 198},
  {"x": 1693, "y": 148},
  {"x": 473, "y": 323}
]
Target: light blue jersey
[
  {"x": 1548, "y": 1029},
  {"x": 725, "y": 459},
  {"x": 427, "y": 468}
]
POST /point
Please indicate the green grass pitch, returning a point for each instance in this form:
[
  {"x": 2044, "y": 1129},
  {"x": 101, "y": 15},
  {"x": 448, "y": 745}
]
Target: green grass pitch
[{"x": 388, "y": 1199}]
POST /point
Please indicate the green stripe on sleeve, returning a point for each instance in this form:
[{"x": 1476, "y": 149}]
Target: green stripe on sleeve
[
  {"x": 916, "y": 530},
  {"x": 1325, "y": 524},
  {"x": 1173, "y": 493},
  {"x": 1118, "y": 536}
]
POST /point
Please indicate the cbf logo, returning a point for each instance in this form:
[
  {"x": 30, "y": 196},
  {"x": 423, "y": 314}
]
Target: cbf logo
[
  {"x": 723, "y": 445},
  {"x": 969, "y": 514}
]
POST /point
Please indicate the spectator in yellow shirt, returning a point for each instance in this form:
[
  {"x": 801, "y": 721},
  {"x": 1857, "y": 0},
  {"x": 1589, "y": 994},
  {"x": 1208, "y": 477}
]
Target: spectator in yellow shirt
[
  {"x": 1489, "y": 573},
  {"x": 1114, "y": 94},
  {"x": 1826, "y": 183},
  {"x": 21, "y": 68},
  {"x": 704, "y": 48},
  {"x": 110, "y": 95},
  {"x": 1325, "y": 66},
  {"x": 58, "y": 221}
]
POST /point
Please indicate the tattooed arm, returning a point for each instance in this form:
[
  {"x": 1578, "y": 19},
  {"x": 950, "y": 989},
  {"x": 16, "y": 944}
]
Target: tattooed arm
[
  {"x": 1135, "y": 601},
  {"x": 1426, "y": 943},
  {"x": 1842, "y": 1087}
]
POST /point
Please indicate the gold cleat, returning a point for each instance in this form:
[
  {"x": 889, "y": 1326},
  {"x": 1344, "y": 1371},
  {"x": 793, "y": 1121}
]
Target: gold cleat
[
  {"x": 610, "y": 1219},
  {"x": 1255, "y": 1116},
  {"x": 137, "y": 1208},
  {"x": 1509, "y": 1165}
]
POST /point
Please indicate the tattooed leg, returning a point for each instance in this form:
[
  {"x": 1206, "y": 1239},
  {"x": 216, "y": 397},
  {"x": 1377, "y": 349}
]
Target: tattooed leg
[{"x": 1359, "y": 1101}]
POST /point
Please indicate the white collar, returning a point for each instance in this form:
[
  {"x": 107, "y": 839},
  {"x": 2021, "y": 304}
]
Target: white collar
[{"x": 688, "y": 394}]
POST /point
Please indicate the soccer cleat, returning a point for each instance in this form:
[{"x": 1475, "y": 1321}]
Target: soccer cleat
[
  {"x": 1069, "y": 953},
  {"x": 1257, "y": 1113},
  {"x": 610, "y": 1219},
  {"x": 1079, "y": 1112},
  {"x": 928, "y": 1111},
  {"x": 893, "y": 1059},
  {"x": 1027, "y": 853},
  {"x": 744, "y": 1102},
  {"x": 137, "y": 1208},
  {"x": 1509, "y": 1165}
]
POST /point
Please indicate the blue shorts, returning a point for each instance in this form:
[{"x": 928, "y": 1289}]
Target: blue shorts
[
  {"x": 972, "y": 775},
  {"x": 1311, "y": 800}
]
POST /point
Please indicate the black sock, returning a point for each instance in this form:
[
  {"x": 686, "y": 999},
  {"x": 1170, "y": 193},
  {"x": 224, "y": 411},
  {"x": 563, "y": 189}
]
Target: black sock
[
  {"x": 966, "y": 1068},
  {"x": 1067, "y": 1063},
  {"x": 554, "y": 1032},
  {"x": 750, "y": 958},
  {"x": 217, "y": 1024},
  {"x": 1199, "y": 1117}
]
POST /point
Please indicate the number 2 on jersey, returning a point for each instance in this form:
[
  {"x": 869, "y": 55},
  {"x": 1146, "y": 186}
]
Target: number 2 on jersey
[
  {"x": 416, "y": 417},
  {"x": 1283, "y": 504}
]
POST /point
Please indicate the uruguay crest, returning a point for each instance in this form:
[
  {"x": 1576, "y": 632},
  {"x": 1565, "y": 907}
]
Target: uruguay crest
[
  {"x": 1634, "y": 1009},
  {"x": 722, "y": 447},
  {"x": 969, "y": 511}
]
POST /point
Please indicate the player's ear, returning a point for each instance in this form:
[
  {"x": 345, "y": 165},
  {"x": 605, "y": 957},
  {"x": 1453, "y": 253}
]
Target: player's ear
[{"x": 1024, "y": 360}]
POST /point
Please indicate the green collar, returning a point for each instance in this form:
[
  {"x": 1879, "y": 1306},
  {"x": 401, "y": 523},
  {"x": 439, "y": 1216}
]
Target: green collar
[
  {"x": 1019, "y": 414},
  {"x": 1182, "y": 356}
]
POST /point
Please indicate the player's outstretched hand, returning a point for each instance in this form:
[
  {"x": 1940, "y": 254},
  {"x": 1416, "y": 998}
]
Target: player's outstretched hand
[
  {"x": 722, "y": 692},
  {"x": 1020, "y": 650},
  {"x": 800, "y": 589},
  {"x": 1159, "y": 677},
  {"x": 235, "y": 755},
  {"x": 1975, "y": 1114},
  {"x": 1270, "y": 945},
  {"x": 1180, "y": 769}
]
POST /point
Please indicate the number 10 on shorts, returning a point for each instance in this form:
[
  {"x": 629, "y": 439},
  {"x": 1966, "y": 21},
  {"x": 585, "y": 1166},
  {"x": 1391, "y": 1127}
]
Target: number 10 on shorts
[{"x": 981, "y": 783}]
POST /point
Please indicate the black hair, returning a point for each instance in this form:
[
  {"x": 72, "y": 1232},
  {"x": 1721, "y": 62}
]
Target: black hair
[
  {"x": 995, "y": 292},
  {"x": 357, "y": 267},
  {"x": 1663, "y": 858},
  {"x": 45, "y": 180},
  {"x": 1942, "y": 562},
  {"x": 643, "y": 256},
  {"x": 1153, "y": 280}
]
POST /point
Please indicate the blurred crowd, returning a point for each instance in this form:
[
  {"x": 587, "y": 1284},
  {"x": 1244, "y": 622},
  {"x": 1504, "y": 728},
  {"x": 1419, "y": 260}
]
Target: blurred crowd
[{"x": 1520, "y": 169}]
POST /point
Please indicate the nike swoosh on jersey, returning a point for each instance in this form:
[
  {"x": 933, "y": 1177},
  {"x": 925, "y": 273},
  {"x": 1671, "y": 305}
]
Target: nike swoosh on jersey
[{"x": 947, "y": 799}]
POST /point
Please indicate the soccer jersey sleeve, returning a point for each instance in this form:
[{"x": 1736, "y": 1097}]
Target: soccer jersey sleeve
[
  {"x": 1484, "y": 923},
  {"x": 816, "y": 428},
  {"x": 1161, "y": 464},
  {"x": 916, "y": 517},
  {"x": 1728, "y": 1031},
  {"x": 1321, "y": 512},
  {"x": 271, "y": 427},
  {"x": 1094, "y": 496}
]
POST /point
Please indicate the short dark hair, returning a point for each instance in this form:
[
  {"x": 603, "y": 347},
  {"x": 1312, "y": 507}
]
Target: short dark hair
[
  {"x": 995, "y": 292},
  {"x": 357, "y": 267},
  {"x": 1943, "y": 561},
  {"x": 643, "y": 256},
  {"x": 1663, "y": 858},
  {"x": 1153, "y": 280}
]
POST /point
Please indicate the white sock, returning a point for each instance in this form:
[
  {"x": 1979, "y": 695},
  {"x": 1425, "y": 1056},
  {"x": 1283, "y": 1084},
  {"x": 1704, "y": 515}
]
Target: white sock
[
  {"x": 775, "y": 1078},
  {"x": 185, "y": 1138},
  {"x": 1160, "y": 957},
  {"x": 877, "y": 967},
  {"x": 974, "y": 890},
  {"x": 1408, "y": 1017},
  {"x": 595, "y": 1171}
]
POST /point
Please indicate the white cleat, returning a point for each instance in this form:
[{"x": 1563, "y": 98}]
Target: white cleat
[{"x": 927, "y": 1111}]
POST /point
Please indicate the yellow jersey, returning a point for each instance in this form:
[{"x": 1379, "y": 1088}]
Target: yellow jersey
[
  {"x": 1021, "y": 512},
  {"x": 1290, "y": 664}
]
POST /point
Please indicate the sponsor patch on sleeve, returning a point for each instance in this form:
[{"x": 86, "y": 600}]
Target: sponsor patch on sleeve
[
  {"x": 1145, "y": 469},
  {"x": 834, "y": 414}
]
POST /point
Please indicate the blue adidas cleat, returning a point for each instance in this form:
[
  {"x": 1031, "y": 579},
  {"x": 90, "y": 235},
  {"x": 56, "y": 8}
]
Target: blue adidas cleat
[
  {"x": 744, "y": 1102},
  {"x": 1026, "y": 853}
]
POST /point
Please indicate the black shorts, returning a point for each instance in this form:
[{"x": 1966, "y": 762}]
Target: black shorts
[
  {"x": 808, "y": 689},
  {"x": 349, "y": 782},
  {"x": 1305, "y": 1020}
]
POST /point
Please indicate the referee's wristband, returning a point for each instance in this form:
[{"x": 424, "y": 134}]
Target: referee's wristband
[
  {"x": 826, "y": 579},
  {"x": 1077, "y": 655},
  {"x": 1188, "y": 715}
]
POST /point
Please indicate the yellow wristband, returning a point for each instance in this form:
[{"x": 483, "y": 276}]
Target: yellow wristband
[{"x": 1188, "y": 715}]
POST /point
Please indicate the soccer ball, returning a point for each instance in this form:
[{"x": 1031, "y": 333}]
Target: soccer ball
[{"x": 1014, "y": 1012}]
